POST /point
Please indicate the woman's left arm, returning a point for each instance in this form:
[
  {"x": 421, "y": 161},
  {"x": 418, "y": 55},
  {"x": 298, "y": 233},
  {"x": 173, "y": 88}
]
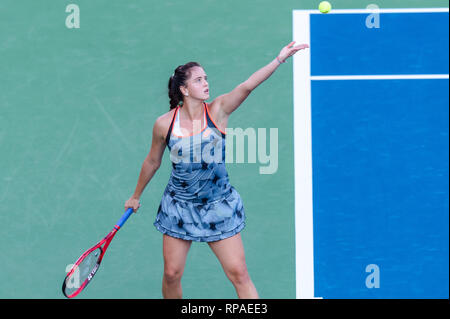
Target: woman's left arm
[{"x": 231, "y": 101}]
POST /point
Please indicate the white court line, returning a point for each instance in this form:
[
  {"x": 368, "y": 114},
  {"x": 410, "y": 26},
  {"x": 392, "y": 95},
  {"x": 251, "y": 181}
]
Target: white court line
[
  {"x": 304, "y": 246},
  {"x": 368, "y": 11},
  {"x": 380, "y": 77}
]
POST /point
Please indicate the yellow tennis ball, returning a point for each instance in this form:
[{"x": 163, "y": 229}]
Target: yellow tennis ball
[{"x": 325, "y": 7}]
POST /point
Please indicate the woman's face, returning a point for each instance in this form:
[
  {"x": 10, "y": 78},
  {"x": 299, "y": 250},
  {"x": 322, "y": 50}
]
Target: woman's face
[{"x": 197, "y": 85}]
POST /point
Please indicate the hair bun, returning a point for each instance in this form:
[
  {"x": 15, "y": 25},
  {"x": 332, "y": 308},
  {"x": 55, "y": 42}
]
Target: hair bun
[{"x": 177, "y": 79}]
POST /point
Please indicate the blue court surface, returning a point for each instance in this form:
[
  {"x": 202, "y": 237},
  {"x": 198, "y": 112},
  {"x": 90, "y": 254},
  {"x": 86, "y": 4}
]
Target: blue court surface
[{"x": 377, "y": 95}]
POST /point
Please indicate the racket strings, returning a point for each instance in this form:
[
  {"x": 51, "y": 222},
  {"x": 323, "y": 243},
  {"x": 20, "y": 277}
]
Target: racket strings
[{"x": 81, "y": 272}]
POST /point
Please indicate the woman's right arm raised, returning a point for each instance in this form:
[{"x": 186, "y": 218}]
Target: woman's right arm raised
[{"x": 150, "y": 165}]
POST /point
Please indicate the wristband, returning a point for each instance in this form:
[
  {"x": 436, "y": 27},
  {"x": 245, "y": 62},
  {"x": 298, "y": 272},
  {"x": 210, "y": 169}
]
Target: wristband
[{"x": 280, "y": 61}]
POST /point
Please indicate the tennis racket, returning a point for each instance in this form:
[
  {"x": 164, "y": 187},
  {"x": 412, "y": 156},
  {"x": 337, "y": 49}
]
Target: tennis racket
[{"x": 84, "y": 269}]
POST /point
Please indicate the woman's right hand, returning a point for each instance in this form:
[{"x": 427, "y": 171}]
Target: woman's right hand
[{"x": 133, "y": 203}]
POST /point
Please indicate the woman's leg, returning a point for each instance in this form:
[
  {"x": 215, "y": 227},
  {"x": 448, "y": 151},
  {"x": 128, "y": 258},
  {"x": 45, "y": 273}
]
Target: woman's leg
[
  {"x": 230, "y": 252},
  {"x": 175, "y": 252}
]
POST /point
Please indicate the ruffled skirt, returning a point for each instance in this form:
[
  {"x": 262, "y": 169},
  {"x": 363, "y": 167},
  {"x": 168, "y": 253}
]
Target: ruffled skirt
[{"x": 203, "y": 222}]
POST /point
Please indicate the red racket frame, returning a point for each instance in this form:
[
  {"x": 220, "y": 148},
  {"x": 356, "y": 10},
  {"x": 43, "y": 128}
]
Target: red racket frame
[{"x": 106, "y": 241}]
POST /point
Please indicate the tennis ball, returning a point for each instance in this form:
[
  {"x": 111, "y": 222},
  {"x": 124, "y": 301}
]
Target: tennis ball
[{"x": 325, "y": 7}]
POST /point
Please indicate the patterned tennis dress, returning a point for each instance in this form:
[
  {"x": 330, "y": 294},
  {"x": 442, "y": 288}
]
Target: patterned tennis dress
[{"x": 199, "y": 203}]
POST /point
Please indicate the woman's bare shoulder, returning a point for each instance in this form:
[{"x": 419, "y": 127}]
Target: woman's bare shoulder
[
  {"x": 219, "y": 117},
  {"x": 162, "y": 123},
  {"x": 213, "y": 106}
]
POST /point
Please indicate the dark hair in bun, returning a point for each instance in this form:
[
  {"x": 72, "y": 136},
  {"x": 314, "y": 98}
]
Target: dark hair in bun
[{"x": 178, "y": 78}]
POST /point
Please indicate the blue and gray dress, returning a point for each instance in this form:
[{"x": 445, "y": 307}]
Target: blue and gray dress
[{"x": 199, "y": 202}]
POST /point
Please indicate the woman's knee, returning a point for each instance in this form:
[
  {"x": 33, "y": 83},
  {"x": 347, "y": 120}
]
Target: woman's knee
[
  {"x": 173, "y": 274},
  {"x": 238, "y": 274}
]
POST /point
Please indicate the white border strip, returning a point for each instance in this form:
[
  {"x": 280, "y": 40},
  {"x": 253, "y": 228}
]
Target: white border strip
[
  {"x": 304, "y": 246},
  {"x": 380, "y": 77},
  {"x": 365, "y": 11}
]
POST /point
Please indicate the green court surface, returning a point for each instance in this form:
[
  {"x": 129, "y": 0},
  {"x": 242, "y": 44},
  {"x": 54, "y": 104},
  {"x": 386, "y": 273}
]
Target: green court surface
[{"x": 77, "y": 107}]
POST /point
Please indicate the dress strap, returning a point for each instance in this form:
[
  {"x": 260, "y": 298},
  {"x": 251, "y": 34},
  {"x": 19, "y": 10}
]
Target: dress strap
[
  {"x": 171, "y": 125},
  {"x": 211, "y": 121}
]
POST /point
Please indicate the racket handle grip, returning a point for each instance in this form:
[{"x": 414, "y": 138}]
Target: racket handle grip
[{"x": 124, "y": 217}]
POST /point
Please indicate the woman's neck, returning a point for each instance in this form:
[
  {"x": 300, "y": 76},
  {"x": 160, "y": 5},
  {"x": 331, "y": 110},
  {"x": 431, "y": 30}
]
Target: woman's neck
[{"x": 193, "y": 110}]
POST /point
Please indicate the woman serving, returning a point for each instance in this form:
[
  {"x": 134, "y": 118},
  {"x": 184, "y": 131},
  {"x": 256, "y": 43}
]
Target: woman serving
[{"x": 199, "y": 203}]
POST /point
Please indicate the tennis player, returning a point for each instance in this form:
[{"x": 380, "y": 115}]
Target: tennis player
[{"x": 198, "y": 203}]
